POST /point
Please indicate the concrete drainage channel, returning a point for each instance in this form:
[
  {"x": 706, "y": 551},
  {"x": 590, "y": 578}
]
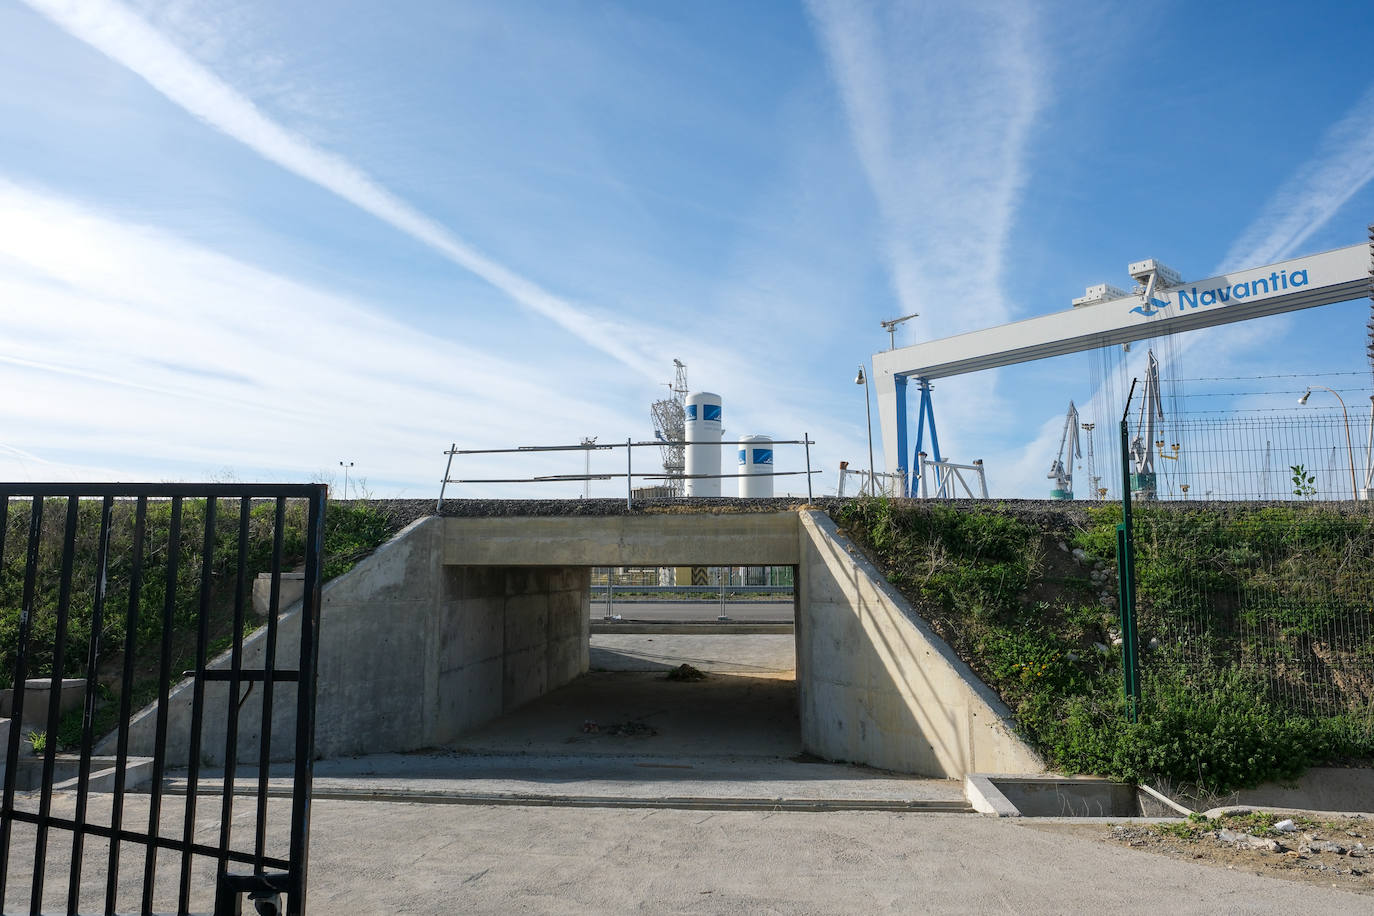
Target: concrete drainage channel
[{"x": 1067, "y": 796}]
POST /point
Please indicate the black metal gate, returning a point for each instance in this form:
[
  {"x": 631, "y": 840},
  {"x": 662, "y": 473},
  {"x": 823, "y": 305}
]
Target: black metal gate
[{"x": 116, "y": 584}]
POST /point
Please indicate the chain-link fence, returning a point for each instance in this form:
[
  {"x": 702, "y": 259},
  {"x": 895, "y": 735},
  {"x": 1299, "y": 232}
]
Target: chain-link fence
[
  {"x": 1281, "y": 596},
  {"x": 1303, "y": 454}
]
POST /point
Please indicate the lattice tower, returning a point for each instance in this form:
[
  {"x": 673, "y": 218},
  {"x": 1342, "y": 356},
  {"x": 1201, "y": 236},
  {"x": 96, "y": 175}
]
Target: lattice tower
[{"x": 670, "y": 427}]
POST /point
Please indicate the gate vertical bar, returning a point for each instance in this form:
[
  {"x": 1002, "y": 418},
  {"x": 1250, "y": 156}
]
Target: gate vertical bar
[
  {"x": 125, "y": 704},
  {"x": 83, "y": 779},
  {"x": 269, "y": 670},
  {"x": 1125, "y": 573},
  {"x": 305, "y": 704},
  {"x": 64, "y": 599},
  {"x": 164, "y": 674},
  {"x": 188, "y": 829},
  {"x": 20, "y": 674},
  {"x": 231, "y": 746}
]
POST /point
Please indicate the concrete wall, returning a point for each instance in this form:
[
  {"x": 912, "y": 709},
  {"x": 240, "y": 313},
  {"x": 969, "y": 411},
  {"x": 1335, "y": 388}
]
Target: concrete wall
[
  {"x": 458, "y": 620},
  {"x": 661, "y": 539},
  {"x": 412, "y": 653},
  {"x": 877, "y": 686}
]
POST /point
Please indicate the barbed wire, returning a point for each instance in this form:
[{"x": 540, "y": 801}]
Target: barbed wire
[{"x": 1246, "y": 378}]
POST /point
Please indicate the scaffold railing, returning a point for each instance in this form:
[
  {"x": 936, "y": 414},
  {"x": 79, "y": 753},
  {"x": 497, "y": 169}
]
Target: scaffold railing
[{"x": 629, "y": 475}]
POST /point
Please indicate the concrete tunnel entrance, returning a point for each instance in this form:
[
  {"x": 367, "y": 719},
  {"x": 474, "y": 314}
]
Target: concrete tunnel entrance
[
  {"x": 674, "y": 671},
  {"x": 461, "y": 620}
]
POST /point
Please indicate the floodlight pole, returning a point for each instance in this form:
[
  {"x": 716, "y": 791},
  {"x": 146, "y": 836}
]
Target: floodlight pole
[
  {"x": 346, "y": 467},
  {"x": 868, "y": 417},
  {"x": 1350, "y": 449}
]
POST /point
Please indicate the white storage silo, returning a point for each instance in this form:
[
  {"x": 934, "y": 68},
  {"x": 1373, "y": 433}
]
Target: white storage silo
[
  {"x": 756, "y": 464},
  {"x": 703, "y": 432}
]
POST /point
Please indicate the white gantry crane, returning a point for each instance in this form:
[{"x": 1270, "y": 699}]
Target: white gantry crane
[
  {"x": 1163, "y": 304},
  {"x": 1061, "y": 472}
]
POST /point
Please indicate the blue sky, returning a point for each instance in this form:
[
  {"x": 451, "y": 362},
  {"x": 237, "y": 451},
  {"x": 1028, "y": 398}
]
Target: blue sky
[{"x": 253, "y": 239}]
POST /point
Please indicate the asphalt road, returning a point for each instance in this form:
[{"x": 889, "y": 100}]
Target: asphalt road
[{"x": 673, "y": 611}]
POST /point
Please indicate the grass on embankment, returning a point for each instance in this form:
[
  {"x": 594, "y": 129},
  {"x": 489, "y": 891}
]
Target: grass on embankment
[{"x": 1027, "y": 598}]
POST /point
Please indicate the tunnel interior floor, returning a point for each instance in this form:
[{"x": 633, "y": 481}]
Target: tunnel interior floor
[
  {"x": 639, "y": 713},
  {"x": 745, "y": 703},
  {"x": 624, "y": 734}
]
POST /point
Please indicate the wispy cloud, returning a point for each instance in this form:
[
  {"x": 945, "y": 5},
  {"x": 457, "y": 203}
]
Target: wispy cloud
[
  {"x": 940, "y": 100},
  {"x": 174, "y": 361},
  {"x": 117, "y": 32},
  {"x": 1342, "y": 165},
  {"x": 104, "y": 316}
]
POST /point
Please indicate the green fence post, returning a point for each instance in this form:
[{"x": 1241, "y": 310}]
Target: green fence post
[{"x": 1125, "y": 577}]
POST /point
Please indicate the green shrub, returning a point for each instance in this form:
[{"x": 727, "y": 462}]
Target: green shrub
[{"x": 1212, "y": 588}]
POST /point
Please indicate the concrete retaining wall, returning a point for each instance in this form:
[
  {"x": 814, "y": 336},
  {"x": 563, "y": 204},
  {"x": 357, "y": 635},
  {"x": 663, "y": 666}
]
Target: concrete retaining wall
[
  {"x": 659, "y": 539},
  {"x": 440, "y": 631},
  {"x": 412, "y": 653},
  {"x": 877, "y": 686}
]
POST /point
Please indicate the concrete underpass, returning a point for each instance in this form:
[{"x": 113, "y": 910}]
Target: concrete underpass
[{"x": 468, "y": 639}]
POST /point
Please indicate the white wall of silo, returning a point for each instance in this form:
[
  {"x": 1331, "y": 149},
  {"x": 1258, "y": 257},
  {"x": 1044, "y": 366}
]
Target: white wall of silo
[
  {"x": 756, "y": 464},
  {"x": 704, "y": 433}
]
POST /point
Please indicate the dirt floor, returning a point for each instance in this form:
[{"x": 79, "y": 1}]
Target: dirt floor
[{"x": 1329, "y": 852}]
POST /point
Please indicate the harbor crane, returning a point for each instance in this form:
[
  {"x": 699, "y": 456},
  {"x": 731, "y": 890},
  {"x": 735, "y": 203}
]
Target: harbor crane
[
  {"x": 1060, "y": 472},
  {"x": 1164, "y": 304},
  {"x": 1142, "y": 446}
]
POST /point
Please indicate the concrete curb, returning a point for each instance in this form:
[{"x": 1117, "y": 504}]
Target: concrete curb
[
  {"x": 687, "y": 803},
  {"x": 636, "y": 628}
]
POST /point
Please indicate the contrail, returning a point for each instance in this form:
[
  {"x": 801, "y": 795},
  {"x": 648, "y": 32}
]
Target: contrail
[
  {"x": 117, "y": 32},
  {"x": 940, "y": 102},
  {"x": 1342, "y": 166}
]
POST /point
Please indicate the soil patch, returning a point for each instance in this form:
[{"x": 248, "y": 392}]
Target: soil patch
[{"x": 1336, "y": 852}]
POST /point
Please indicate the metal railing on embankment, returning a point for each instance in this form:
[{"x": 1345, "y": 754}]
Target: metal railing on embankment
[{"x": 629, "y": 475}]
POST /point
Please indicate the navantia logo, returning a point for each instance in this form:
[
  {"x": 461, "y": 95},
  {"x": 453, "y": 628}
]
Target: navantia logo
[
  {"x": 1153, "y": 307},
  {"x": 1191, "y": 298}
]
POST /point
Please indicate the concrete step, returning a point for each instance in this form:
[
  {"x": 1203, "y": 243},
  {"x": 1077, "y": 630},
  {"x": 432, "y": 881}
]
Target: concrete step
[{"x": 721, "y": 784}]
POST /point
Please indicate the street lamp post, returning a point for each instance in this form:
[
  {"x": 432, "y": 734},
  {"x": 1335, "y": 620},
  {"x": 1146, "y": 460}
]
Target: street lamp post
[
  {"x": 345, "y": 467},
  {"x": 1350, "y": 449},
  {"x": 862, "y": 379}
]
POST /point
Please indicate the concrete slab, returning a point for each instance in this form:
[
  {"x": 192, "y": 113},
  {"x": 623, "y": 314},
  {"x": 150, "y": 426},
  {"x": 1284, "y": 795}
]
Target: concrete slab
[
  {"x": 641, "y": 713},
  {"x": 425, "y": 860},
  {"x": 760, "y": 655},
  {"x": 600, "y": 781}
]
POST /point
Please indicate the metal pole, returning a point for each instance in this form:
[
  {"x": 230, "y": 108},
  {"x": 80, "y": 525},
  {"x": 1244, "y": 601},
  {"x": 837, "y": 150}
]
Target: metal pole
[
  {"x": 806, "y": 442},
  {"x": 723, "y": 615},
  {"x": 1125, "y": 565},
  {"x": 868, "y": 415},
  {"x": 587, "y": 442},
  {"x": 439, "y": 506},
  {"x": 629, "y": 478},
  {"x": 1369, "y": 452},
  {"x": 1350, "y": 450}
]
